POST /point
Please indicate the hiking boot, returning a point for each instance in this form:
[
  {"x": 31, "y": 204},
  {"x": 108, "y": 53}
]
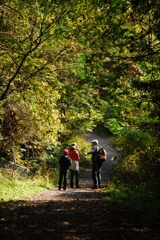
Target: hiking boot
[{"x": 94, "y": 187}]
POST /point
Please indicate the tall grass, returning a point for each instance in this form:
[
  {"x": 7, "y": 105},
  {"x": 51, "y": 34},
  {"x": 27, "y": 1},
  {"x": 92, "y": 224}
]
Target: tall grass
[
  {"x": 18, "y": 188},
  {"x": 44, "y": 174}
]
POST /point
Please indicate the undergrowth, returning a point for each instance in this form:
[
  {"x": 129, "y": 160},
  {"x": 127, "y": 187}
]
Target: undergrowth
[
  {"x": 42, "y": 174},
  {"x": 18, "y": 188},
  {"x": 136, "y": 199}
]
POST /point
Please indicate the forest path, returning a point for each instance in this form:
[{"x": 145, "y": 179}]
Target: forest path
[
  {"x": 74, "y": 214},
  {"x": 85, "y": 180}
]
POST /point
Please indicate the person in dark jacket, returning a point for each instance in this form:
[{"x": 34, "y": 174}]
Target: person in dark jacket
[
  {"x": 96, "y": 165},
  {"x": 65, "y": 162},
  {"x": 74, "y": 168}
]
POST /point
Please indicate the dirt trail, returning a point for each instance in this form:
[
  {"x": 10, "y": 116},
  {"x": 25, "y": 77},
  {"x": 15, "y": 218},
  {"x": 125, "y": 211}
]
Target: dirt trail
[
  {"x": 85, "y": 178},
  {"x": 75, "y": 214}
]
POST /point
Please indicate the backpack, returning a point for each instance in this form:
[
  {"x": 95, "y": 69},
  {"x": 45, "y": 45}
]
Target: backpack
[{"x": 101, "y": 154}]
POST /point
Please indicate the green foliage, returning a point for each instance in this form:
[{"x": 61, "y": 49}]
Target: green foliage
[
  {"x": 17, "y": 188},
  {"x": 46, "y": 160},
  {"x": 46, "y": 91},
  {"x": 135, "y": 196},
  {"x": 140, "y": 160},
  {"x": 115, "y": 126},
  {"x": 51, "y": 157},
  {"x": 68, "y": 65},
  {"x": 135, "y": 140},
  {"x": 43, "y": 172},
  {"x": 136, "y": 199}
]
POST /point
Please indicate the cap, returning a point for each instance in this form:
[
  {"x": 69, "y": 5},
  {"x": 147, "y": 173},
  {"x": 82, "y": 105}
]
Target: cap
[
  {"x": 94, "y": 141},
  {"x": 74, "y": 145},
  {"x": 65, "y": 151}
]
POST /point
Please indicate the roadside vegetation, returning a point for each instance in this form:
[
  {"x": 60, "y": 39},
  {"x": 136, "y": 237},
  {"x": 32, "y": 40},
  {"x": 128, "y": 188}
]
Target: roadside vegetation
[
  {"x": 21, "y": 188},
  {"x": 20, "y": 182},
  {"x": 67, "y": 66}
]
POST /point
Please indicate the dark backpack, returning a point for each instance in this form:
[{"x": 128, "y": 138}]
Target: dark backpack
[{"x": 101, "y": 154}]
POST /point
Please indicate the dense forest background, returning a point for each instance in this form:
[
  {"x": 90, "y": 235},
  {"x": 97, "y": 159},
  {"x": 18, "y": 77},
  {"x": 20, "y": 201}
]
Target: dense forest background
[{"x": 67, "y": 66}]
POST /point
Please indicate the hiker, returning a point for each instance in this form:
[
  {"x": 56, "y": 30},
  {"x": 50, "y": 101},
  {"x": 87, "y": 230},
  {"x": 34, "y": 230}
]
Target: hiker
[
  {"x": 65, "y": 162},
  {"x": 96, "y": 165},
  {"x": 74, "y": 168}
]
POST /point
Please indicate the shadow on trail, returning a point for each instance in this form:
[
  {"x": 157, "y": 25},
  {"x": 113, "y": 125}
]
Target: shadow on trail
[
  {"x": 77, "y": 214},
  {"x": 72, "y": 219},
  {"x": 85, "y": 196}
]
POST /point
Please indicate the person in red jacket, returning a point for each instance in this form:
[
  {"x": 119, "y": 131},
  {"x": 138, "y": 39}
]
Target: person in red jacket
[
  {"x": 74, "y": 168},
  {"x": 65, "y": 162}
]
